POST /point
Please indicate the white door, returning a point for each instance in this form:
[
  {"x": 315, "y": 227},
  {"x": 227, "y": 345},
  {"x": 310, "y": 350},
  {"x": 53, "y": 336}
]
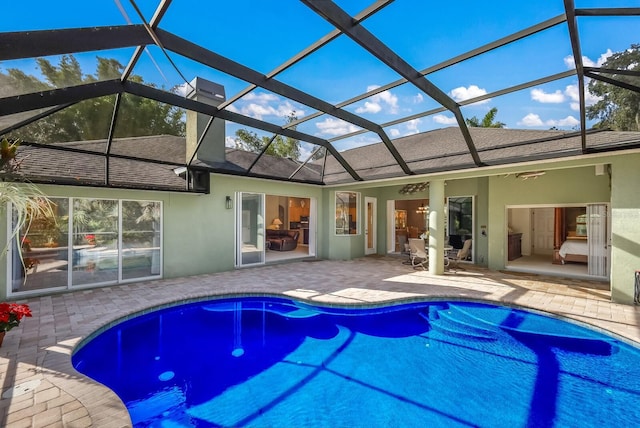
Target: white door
[
  {"x": 370, "y": 225},
  {"x": 543, "y": 222}
]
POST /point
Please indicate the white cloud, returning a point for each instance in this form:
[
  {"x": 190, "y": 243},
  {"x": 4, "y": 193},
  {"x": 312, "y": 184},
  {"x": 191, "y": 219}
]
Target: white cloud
[
  {"x": 260, "y": 104},
  {"x": 229, "y": 141},
  {"x": 182, "y": 89},
  {"x": 567, "y": 121},
  {"x": 572, "y": 92},
  {"x": 260, "y": 97},
  {"x": 543, "y": 97},
  {"x": 394, "y": 132},
  {"x": 369, "y": 107},
  {"x": 418, "y": 98},
  {"x": 257, "y": 111},
  {"x": 412, "y": 126},
  {"x": 331, "y": 126},
  {"x": 444, "y": 120},
  {"x": 376, "y": 102},
  {"x": 533, "y": 120},
  {"x": 461, "y": 93},
  {"x": 570, "y": 62}
]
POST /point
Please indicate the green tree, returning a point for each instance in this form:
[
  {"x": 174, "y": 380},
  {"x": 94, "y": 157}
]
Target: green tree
[
  {"x": 90, "y": 119},
  {"x": 617, "y": 108},
  {"x": 285, "y": 147},
  {"x": 487, "y": 120}
]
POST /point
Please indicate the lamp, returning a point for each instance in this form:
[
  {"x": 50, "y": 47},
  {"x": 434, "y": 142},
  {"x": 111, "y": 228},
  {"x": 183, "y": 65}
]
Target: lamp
[
  {"x": 228, "y": 203},
  {"x": 276, "y": 222},
  {"x": 422, "y": 209}
]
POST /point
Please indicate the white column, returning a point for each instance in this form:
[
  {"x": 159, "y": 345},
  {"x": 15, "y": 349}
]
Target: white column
[{"x": 436, "y": 227}]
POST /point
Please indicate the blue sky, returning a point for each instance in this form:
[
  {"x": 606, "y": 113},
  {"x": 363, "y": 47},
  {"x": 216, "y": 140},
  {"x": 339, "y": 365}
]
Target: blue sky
[{"x": 264, "y": 34}]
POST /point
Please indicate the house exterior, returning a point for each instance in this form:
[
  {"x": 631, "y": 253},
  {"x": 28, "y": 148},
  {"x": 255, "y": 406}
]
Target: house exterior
[
  {"x": 129, "y": 208},
  {"x": 197, "y": 233}
]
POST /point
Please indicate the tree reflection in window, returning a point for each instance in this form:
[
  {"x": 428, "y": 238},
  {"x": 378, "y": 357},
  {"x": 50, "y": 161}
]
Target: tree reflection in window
[{"x": 346, "y": 213}]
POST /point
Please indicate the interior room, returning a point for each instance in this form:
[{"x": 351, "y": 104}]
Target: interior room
[
  {"x": 548, "y": 240},
  {"x": 287, "y": 227},
  {"x": 411, "y": 221}
]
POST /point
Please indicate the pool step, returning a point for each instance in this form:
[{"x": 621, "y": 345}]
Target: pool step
[
  {"x": 448, "y": 322},
  {"x": 536, "y": 329}
]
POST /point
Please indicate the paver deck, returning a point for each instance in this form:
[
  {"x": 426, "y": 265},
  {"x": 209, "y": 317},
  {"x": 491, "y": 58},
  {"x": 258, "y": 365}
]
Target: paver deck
[{"x": 42, "y": 389}]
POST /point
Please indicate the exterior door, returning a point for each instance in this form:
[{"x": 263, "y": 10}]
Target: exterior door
[
  {"x": 370, "y": 225},
  {"x": 250, "y": 239}
]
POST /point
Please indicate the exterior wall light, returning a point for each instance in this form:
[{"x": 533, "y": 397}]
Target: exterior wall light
[{"x": 228, "y": 203}]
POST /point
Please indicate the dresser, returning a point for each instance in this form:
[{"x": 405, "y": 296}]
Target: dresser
[{"x": 515, "y": 246}]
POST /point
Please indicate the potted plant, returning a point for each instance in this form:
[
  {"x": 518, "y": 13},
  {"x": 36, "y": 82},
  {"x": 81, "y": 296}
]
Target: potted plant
[{"x": 10, "y": 316}]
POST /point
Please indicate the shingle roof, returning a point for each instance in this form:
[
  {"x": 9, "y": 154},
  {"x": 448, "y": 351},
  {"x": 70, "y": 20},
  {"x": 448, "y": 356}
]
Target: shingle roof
[
  {"x": 445, "y": 149},
  {"x": 428, "y": 152},
  {"x": 83, "y": 163}
]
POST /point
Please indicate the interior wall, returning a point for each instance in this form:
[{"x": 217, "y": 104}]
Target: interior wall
[{"x": 520, "y": 222}]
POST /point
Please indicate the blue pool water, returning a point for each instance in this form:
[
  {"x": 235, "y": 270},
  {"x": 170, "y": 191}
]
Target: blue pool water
[{"x": 268, "y": 362}]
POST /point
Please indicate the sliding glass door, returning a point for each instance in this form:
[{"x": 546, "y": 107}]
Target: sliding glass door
[
  {"x": 460, "y": 221},
  {"x": 250, "y": 240}
]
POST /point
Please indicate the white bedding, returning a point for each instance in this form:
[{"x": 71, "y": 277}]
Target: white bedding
[{"x": 574, "y": 247}]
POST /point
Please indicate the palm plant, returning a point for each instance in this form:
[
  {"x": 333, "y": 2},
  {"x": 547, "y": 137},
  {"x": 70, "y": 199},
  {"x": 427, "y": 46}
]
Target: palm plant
[{"x": 26, "y": 199}]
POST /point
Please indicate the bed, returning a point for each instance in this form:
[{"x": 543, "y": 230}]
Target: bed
[{"x": 574, "y": 250}]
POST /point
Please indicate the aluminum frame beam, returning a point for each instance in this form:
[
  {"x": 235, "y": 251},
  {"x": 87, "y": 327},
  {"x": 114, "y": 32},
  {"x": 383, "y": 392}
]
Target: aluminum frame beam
[
  {"x": 32, "y": 44},
  {"x": 550, "y": 23},
  {"x": 211, "y": 59},
  {"x": 55, "y": 97},
  {"x": 345, "y": 23},
  {"x": 572, "y": 24},
  {"x": 178, "y": 101}
]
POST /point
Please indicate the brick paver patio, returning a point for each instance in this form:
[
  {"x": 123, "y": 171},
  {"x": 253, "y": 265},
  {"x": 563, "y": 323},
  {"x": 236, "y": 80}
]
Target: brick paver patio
[{"x": 40, "y": 388}]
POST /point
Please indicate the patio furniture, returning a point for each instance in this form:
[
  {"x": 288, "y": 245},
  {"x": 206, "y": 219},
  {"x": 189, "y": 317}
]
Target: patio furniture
[
  {"x": 417, "y": 253},
  {"x": 461, "y": 255}
]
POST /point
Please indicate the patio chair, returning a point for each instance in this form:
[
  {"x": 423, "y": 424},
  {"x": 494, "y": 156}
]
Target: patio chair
[
  {"x": 417, "y": 253},
  {"x": 462, "y": 254}
]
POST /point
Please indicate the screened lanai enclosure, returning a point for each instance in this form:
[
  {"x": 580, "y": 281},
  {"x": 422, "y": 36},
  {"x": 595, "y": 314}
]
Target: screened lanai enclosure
[{"x": 157, "y": 94}]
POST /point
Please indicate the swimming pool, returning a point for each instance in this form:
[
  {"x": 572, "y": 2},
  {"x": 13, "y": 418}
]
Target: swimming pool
[{"x": 264, "y": 361}]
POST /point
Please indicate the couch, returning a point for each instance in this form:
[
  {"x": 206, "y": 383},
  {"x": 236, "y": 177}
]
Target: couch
[{"x": 282, "y": 240}]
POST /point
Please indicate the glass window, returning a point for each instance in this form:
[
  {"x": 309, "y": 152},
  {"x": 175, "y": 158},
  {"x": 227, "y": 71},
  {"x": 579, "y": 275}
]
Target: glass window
[
  {"x": 95, "y": 241},
  {"x": 347, "y": 213},
  {"x": 45, "y": 255},
  {"x": 140, "y": 239},
  {"x": 103, "y": 240}
]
